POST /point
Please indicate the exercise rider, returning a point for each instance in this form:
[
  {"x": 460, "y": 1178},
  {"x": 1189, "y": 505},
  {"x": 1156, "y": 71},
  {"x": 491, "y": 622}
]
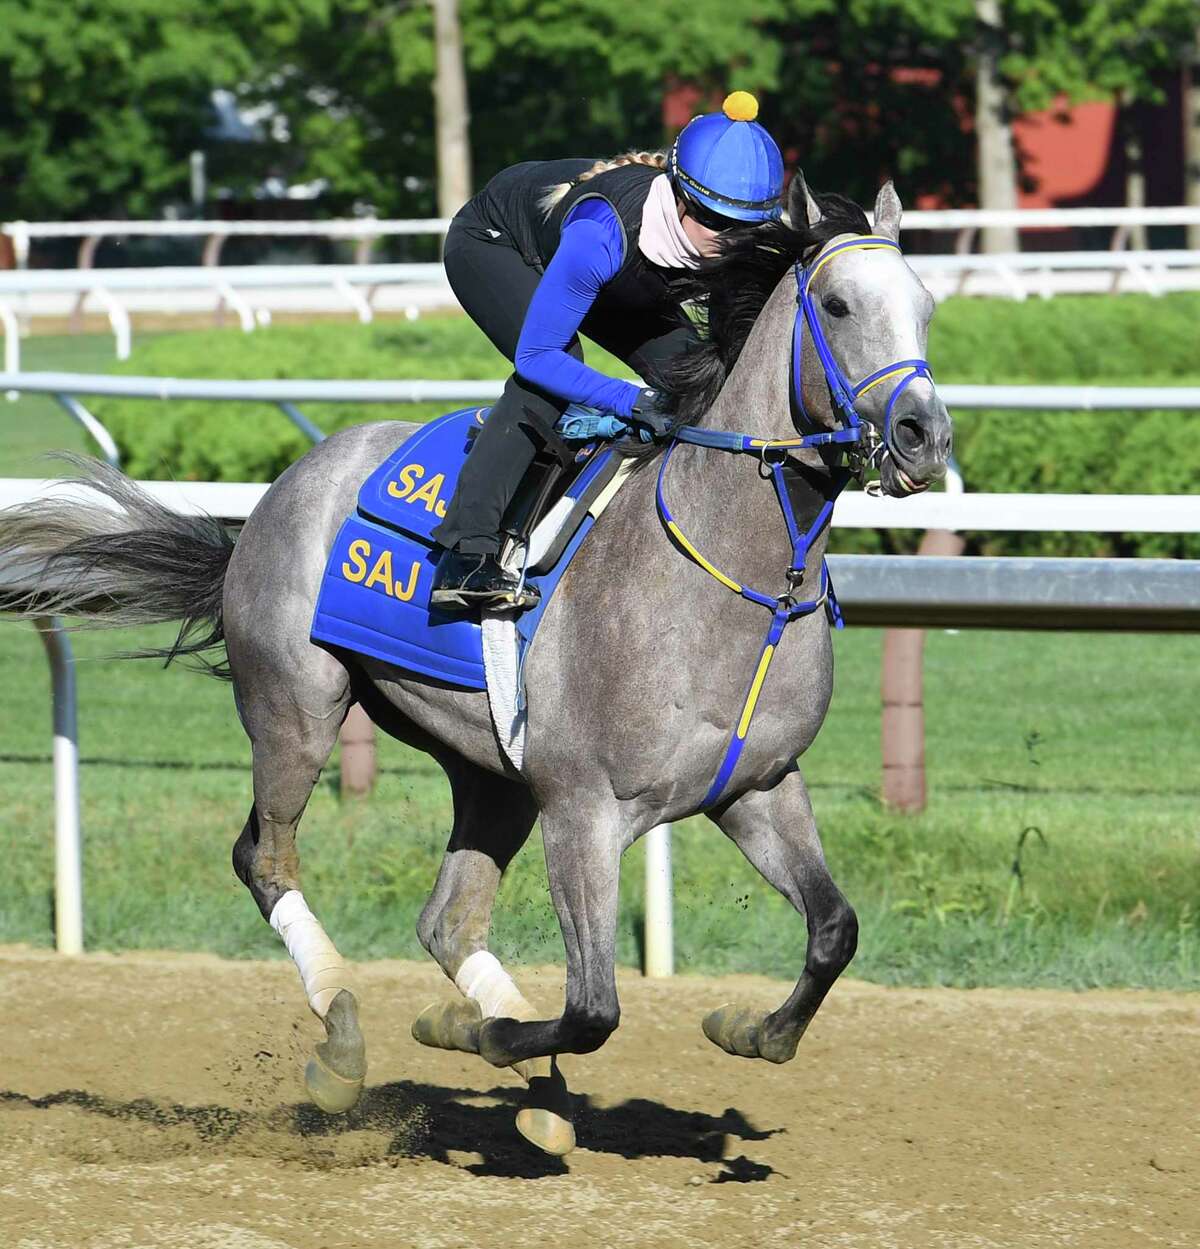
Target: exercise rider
[{"x": 549, "y": 249}]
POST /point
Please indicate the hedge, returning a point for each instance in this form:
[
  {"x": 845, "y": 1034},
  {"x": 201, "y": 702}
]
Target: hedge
[{"x": 1125, "y": 340}]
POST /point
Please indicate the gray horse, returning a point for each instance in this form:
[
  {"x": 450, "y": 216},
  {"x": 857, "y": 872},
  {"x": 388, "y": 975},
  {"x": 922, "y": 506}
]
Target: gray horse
[{"x": 637, "y": 677}]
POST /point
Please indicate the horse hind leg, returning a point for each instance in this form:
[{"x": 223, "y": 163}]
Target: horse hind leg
[
  {"x": 290, "y": 749},
  {"x": 492, "y": 819}
]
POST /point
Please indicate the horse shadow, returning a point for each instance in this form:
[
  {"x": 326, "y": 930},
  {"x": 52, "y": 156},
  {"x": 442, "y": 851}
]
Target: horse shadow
[{"x": 436, "y": 1122}]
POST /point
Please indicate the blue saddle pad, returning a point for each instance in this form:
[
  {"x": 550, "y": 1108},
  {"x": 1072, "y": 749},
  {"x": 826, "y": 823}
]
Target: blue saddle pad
[
  {"x": 374, "y": 597},
  {"x": 410, "y": 489}
]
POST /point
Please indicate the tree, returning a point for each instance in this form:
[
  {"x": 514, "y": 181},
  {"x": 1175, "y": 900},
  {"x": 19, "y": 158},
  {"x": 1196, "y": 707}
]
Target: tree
[
  {"x": 1191, "y": 133},
  {"x": 102, "y": 100},
  {"x": 547, "y": 78},
  {"x": 996, "y": 159},
  {"x": 451, "y": 111},
  {"x": 1100, "y": 49}
]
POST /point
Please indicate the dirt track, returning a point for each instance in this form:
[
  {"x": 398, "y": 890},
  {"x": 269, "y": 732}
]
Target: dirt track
[{"x": 156, "y": 1100}]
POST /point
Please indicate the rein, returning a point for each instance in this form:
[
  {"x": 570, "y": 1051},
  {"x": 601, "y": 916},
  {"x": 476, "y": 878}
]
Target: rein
[{"x": 864, "y": 447}]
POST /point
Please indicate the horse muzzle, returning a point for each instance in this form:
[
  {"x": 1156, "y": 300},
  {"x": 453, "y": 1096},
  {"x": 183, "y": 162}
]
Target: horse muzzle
[{"x": 918, "y": 445}]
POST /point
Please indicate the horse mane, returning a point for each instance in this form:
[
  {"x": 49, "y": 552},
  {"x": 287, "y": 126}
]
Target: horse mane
[{"x": 729, "y": 291}]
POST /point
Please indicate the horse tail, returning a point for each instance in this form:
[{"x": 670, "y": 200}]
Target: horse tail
[{"x": 117, "y": 557}]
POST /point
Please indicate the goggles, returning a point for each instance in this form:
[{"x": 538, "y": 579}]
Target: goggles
[{"x": 705, "y": 216}]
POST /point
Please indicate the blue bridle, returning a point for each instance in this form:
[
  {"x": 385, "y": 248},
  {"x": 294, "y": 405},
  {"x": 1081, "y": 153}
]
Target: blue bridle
[
  {"x": 864, "y": 447},
  {"x": 844, "y": 395}
]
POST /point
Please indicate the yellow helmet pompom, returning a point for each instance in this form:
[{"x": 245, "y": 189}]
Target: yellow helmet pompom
[{"x": 740, "y": 106}]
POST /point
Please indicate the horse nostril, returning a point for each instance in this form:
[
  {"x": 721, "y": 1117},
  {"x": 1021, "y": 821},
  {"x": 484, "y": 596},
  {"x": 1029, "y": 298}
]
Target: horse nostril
[{"x": 909, "y": 435}]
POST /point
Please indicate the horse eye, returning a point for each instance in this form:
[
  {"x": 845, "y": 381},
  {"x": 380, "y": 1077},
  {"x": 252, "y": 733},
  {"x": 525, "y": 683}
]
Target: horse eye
[{"x": 835, "y": 307}]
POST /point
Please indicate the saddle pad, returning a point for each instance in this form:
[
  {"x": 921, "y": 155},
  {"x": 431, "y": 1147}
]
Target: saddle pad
[
  {"x": 410, "y": 489},
  {"x": 374, "y": 600},
  {"x": 374, "y": 595}
]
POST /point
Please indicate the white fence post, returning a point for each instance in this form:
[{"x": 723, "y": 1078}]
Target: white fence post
[
  {"x": 68, "y": 866},
  {"x": 660, "y": 923}
]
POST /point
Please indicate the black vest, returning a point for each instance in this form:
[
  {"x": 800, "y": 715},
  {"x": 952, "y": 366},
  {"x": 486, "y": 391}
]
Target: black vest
[{"x": 510, "y": 203}]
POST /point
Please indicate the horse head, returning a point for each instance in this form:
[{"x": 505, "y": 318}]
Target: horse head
[{"x": 867, "y": 318}]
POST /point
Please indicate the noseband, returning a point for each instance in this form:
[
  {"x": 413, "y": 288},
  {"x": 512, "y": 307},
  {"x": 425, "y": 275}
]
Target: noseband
[{"x": 864, "y": 447}]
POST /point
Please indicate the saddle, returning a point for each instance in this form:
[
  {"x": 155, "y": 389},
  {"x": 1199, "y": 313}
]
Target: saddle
[{"x": 374, "y": 596}]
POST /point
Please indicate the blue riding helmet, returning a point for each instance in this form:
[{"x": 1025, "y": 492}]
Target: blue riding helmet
[{"x": 728, "y": 163}]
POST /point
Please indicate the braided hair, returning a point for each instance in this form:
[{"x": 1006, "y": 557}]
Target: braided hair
[{"x": 552, "y": 195}]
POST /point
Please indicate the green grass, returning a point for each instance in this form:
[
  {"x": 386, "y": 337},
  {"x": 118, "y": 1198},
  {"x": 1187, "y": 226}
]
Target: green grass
[
  {"x": 1086, "y": 738},
  {"x": 33, "y": 424}
]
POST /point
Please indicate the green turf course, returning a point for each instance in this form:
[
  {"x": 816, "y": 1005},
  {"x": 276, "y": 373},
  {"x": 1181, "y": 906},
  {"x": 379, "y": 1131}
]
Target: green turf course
[
  {"x": 1088, "y": 739},
  {"x": 1111, "y": 780}
]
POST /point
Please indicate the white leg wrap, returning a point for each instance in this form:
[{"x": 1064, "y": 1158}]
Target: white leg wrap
[
  {"x": 320, "y": 965},
  {"x": 483, "y": 980}
]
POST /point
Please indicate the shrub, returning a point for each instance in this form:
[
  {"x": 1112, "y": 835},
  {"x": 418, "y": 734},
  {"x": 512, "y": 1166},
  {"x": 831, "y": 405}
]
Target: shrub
[
  {"x": 224, "y": 441},
  {"x": 1126, "y": 340}
]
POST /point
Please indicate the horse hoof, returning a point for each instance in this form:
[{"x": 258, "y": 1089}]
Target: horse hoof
[
  {"x": 733, "y": 1030},
  {"x": 335, "y": 1073},
  {"x": 547, "y": 1131},
  {"x": 334, "y": 1094},
  {"x": 449, "y": 1025},
  {"x": 545, "y": 1119}
]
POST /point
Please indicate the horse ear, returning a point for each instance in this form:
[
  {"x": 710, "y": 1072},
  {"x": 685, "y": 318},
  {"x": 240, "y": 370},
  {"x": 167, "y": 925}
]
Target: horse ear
[
  {"x": 801, "y": 205},
  {"x": 887, "y": 212}
]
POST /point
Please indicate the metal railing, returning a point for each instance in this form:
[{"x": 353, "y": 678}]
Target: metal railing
[
  {"x": 288, "y": 395},
  {"x": 877, "y": 590}
]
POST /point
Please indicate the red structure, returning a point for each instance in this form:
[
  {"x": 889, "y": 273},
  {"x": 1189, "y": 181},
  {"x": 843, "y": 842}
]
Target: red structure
[
  {"x": 1079, "y": 155},
  {"x": 1069, "y": 155}
]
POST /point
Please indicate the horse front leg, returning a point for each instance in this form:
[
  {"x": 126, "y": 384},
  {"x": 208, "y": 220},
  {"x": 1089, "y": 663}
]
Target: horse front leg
[
  {"x": 583, "y": 859},
  {"x": 493, "y": 817},
  {"x": 776, "y": 831}
]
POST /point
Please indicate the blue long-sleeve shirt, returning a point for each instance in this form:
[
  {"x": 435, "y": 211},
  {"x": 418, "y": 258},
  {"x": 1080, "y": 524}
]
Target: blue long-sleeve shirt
[{"x": 590, "y": 253}]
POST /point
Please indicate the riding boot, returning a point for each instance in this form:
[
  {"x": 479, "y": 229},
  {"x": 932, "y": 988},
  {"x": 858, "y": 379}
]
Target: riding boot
[
  {"x": 502, "y": 451},
  {"x": 462, "y": 581},
  {"x": 468, "y": 573}
]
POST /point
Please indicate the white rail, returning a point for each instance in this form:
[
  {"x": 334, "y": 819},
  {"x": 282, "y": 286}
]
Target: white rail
[
  {"x": 1009, "y": 513},
  {"x": 191, "y": 277},
  {"x": 1049, "y": 218},
  {"x": 1017, "y": 275},
  {"x": 952, "y": 510},
  {"x": 335, "y": 228},
  {"x": 68, "y": 844},
  {"x": 251, "y": 290},
  {"x": 373, "y": 228}
]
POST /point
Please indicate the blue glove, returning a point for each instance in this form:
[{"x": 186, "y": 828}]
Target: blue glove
[{"x": 580, "y": 423}]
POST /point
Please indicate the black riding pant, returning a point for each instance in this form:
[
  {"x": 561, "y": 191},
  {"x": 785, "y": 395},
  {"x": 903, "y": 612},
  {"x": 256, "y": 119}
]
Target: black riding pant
[{"x": 495, "y": 285}]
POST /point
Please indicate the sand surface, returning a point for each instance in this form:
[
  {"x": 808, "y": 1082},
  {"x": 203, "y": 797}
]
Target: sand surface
[{"x": 157, "y": 1100}]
